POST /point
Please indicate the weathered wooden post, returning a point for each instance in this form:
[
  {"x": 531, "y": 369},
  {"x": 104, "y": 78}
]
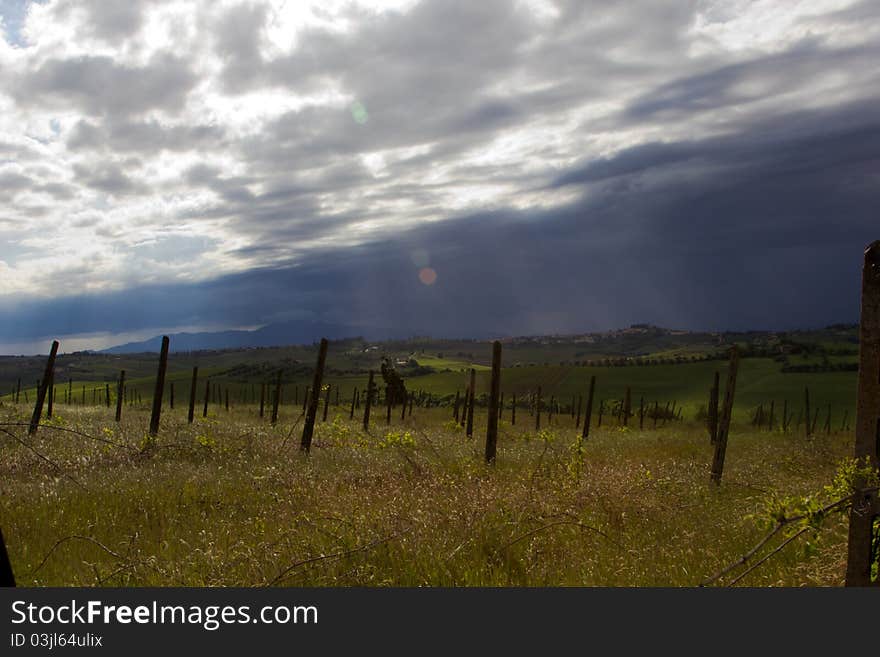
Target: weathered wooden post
[
  {"x": 160, "y": 387},
  {"x": 192, "y": 395},
  {"x": 262, "y": 398},
  {"x": 276, "y": 398},
  {"x": 724, "y": 420},
  {"x": 601, "y": 412},
  {"x": 327, "y": 402},
  {"x": 353, "y": 402},
  {"x": 455, "y": 407},
  {"x": 369, "y": 401},
  {"x": 513, "y": 411},
  {"x": 771, "y": 419},
  {"x": 120, "y": 395},
  {"x": 171, "y": 395},
  {"x": 305, "y": 444},
  {"x": 785, "y": 418},
  {"x": 43, "y": 389},
  {"x": 550, "y": 410},
  {"x": 577, "y": 422},
  {"x": 51, "y": 395},
  {"x": 7, "y": 578},
  {"x": 470, "y": 413},
  {"x": 641, "y": 413},
  {"x": 862, "y": 553},
  {"x": 538, "y": 410},
  {"x": 588, "y": 411},
  {"x": 18, "y": 391},
  {"x": 494, "y": 393},
  {"x": 388, "y": 405},
  {"x": 627, "y": 404},
  {"x": 656, "y": 413},
  {"x": 807, "y": 411},
  {"x": 226, "y": 398}
]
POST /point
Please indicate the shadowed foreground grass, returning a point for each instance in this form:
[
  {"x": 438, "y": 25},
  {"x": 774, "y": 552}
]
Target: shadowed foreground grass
[{"x": 230, "y": 501}]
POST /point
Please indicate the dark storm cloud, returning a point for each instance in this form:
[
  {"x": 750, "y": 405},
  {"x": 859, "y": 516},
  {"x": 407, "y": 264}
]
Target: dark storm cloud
[
  {"x": 100, "y": 86},
  {"x": 769, "y": 233}
]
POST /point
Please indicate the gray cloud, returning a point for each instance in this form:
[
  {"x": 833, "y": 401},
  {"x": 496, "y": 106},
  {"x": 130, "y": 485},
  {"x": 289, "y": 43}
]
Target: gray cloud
[{"x": 100, "y": 86}]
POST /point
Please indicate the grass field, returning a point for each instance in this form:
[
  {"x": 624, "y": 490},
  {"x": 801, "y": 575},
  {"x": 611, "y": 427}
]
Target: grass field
[{"x": 229, "y": 500}]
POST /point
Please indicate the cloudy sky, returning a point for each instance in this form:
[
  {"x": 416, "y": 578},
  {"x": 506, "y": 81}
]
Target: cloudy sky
[{"x": 447, "y": 166}]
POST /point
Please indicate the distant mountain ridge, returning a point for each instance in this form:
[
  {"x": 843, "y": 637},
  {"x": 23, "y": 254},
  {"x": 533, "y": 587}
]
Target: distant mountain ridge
[{"x": 271, "y": 335}]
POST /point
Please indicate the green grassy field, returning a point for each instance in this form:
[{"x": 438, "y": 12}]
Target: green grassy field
[{"x": 229, "y": 500}]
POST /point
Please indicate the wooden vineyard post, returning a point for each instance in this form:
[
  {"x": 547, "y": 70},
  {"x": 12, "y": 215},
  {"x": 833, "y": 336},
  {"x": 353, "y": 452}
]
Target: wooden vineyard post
[
  {"x": 713, "y": 409},
  {"x": 494, "y": 393},
  {"x": 864, "y": 516},
  {"x": 538, "y": 410},
  {"x": 724, "y": 419},
  {"x": 276, "y": 398},
  {"x": 41, "y": 391},
  {"x": 353, "y": 402},
  {"x": 170, "y": 396},
  {"x": 577, "y": 422},
  {"x": 226, "y": 398},
  {"x": 305, "y": 444},
  {"x": 7, "y": 578},
  {"x": 455, "y": 407},
  {"x": 588, "y": 411},
  {"x": 785, "y": 416},
  {"x": 51, "y": 397},
  {"x": 627, "y": 402},
  {"x": 327, "y": 403},
  {"x": 120, "y": 395},
  {"x": 388, "y": 405},
  {"x": 641, "y": 413},
  {"x": 550, "y": 410},
  {"x": 369, "y": 402},
  {"x": 160, "y": 387},
  {"x": 192, "y": 395},
  {"x": 18, "y": 391},
  {"x": 771, "y": 419},
  {"x": 470, "y": 410},
  {"x": 262, "y": 398}
]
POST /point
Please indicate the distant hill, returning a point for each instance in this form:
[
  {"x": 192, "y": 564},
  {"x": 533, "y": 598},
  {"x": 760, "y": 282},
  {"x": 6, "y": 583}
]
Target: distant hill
[{"x": 272, "y": 335}]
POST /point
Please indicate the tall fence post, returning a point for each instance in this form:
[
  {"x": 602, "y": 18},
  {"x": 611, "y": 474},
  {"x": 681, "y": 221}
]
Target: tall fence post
[
  {"x": 120, "y": 394},
  {"x": 865, "y": 511},
  {"x": 207, "y": 397},
  {"x": 276, "y": 398},
  {"x": 160, "y": 387},
  {"x": 588, "y": 411},
  {"x": 192, "y": 395},
  {"x": 724, "y": 420},
  {"x": 538, "y": 410},
  {"x": 309, "y": 427},
  {"x": 494, "y": 392},
  {"x": 44, "y": 387}
]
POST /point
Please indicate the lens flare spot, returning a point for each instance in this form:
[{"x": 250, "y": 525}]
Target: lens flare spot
[
  {"x": 427, "y": 276},
  {"x": 359, "y": 112}
]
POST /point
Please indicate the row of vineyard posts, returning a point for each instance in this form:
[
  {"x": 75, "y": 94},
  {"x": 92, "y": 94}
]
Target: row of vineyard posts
[{"x": 865, "y": 508}]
